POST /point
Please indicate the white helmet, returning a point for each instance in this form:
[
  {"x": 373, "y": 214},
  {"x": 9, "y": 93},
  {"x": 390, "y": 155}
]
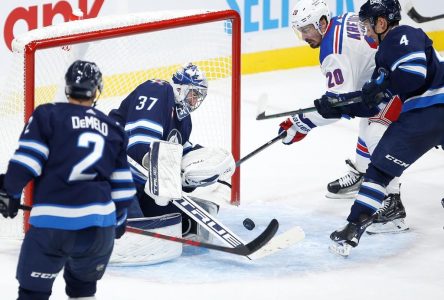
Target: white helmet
[{"x": 307, "y": 12}]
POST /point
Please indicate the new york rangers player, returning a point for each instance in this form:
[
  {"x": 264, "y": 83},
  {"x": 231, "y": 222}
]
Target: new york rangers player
[
  {"x": 83, "y": 186},
  {"x": 347, "y": 62},
  {"x": 414, "y": 71}
]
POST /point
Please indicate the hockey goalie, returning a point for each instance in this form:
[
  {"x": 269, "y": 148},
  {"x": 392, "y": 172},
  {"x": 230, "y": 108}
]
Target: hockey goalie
[{"x": 158, "y": 133}]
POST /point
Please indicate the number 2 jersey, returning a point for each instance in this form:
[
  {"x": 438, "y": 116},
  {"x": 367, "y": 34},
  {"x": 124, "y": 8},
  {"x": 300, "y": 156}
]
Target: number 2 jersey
[
  {"x": 77, "y": 156},
  {"x": 149, "y": 114},
  {"x": 416, "y": 70}
]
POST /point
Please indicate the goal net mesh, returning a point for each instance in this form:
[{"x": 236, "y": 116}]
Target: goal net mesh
[{"x": 126, "y": 60}]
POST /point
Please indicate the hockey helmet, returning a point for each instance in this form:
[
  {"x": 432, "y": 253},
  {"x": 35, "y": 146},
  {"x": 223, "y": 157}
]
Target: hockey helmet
[
  {"x": 190, "y": 89},
  {"x": 372, "y": 9},
  {"x": 309, "y": 12},
  {"x": 83, "y": 79}
]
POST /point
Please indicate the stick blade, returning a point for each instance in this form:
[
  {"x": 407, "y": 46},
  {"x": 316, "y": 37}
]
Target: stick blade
[
  {"x": 280, "y": 242},
  {"x": 261, "y": 104},
  {"x": 261, "y": 116},
  {"x": 264, "y": 237}
]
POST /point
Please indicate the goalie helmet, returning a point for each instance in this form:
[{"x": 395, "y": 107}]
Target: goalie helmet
[
  {"x": 309, "y": 12},
  {"x": 190, "y": 89},
  {"x": 83, "y": 80},
  {"x": 372, "y": 9}
]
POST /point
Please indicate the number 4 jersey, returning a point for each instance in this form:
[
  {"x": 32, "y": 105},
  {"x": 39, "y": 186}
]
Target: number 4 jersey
[{"x": 77, "y": 156}]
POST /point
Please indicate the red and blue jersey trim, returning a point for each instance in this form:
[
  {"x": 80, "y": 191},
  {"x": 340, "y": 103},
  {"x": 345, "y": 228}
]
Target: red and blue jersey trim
[{"x": 333, "y": 38}]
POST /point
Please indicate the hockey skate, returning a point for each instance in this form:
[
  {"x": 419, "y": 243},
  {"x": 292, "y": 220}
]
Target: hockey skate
[
  {"x": 348, "y": 237},
  {"x": 391, "y": 217},
  {"x": 347, "y": 186}
]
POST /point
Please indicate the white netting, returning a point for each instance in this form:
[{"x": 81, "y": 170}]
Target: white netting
[{"x": 125, "y": 62}]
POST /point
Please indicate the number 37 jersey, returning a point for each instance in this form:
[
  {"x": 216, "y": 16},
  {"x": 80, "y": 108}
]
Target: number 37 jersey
[{"x": 77, "y": 156}]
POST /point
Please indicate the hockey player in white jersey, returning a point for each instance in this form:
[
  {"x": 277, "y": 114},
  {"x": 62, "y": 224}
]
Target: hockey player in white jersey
[{"x": 347, "y": 62}]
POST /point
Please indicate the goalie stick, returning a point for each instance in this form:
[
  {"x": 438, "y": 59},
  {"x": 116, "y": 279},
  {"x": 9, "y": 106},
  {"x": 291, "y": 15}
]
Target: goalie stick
[
  {"x": 417, "y": 17},
  {"x": 211, "y": 224}
]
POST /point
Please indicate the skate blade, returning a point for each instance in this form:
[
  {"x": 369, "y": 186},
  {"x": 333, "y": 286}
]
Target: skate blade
[
  {"x": 395, "y": 226},
  {"x": 340, "y": 196},
  {"x": 340, "y": 249}
]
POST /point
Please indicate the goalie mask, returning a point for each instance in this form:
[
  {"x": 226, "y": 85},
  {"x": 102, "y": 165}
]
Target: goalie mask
[
  {"x": 83, "y": 80},
  {"x": 190, "y": 89}
]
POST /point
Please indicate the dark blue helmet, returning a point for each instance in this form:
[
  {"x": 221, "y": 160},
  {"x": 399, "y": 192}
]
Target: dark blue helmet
[
  {"x": 83, "y": 79},
  {"x": 372, "y": 9}
]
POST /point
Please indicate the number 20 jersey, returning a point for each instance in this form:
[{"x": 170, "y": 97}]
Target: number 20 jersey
[{"x": 347, "y": 59}]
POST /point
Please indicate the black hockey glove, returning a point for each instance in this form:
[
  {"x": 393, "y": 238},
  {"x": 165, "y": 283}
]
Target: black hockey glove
[
  {"x": 325, "y": 108},
  {"x": 8, "y": 205},
  {"x": 375, "y": 90}
]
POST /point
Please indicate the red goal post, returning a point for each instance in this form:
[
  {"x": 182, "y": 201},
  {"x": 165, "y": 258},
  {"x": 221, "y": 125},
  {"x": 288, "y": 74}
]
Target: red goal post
[{"x": 130, "y": 49}]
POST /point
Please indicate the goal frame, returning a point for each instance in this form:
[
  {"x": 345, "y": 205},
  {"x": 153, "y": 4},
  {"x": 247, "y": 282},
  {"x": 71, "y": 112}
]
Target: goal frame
[{"x": 29, "y": 51}]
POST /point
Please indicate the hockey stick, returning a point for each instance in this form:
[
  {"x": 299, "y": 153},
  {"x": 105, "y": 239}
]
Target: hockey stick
[
  {"x": 279, "y": 242},
  {"x": 211, "y": 224},
  {"x": 417, "y": 17},
  {"x": 334, "y": 102},
  {"x": 243, "y": 250},
  {"x": 263, "y": 116},
  {"x": 254, "y": 152},
  {"x": 253, "y": 250}
]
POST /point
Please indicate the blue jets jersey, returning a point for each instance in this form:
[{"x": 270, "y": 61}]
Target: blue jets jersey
[
  {"x": 77, "y": 156},
  {"x": 416, "y": 69},
  {"x": 149, "y": 114}
]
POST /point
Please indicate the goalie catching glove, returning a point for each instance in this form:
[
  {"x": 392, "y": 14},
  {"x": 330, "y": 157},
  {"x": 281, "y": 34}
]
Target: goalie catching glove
[{"x": 204, "y": 166}]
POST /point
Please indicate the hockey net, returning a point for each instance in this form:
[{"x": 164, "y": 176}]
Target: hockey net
[{"x": 129, "y": 49}]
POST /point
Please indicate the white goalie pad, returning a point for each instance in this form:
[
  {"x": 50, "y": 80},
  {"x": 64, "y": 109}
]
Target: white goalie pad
[
  {"x": 133, "y": 249},
  {"x": 206, "y": 165},
  {"x": 163, "y": 165}
]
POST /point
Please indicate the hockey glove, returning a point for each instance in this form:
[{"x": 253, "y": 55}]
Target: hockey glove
[
  {"x": 8, "y": 205},
  {"x": 325, "y": 108},
  {"x": 121, "y": 223},
  {"x": 297, "y": 128},
  {"x": 375, "y": 91}
]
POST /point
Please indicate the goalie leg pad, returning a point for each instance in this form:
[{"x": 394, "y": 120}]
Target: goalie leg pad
[
  {"x": 163, "y": 165},
  {"x": 206, "y": 165},
  {"x": 133, "y": 249}
]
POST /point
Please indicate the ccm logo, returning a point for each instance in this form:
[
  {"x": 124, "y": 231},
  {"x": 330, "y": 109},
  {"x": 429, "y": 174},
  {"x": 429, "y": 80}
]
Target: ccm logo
[
  {"x": 397, "y": 161},
  {"x": 30, "y": 15},
  {"x": 43, "y": 275}
]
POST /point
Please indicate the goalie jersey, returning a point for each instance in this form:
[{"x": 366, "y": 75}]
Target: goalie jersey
[
  {"x": 416, "y": 70},
  {"x": 76, "y": 154},
  {"x": 149, "y": 114},
  {"x": 346, "y": 59}
]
